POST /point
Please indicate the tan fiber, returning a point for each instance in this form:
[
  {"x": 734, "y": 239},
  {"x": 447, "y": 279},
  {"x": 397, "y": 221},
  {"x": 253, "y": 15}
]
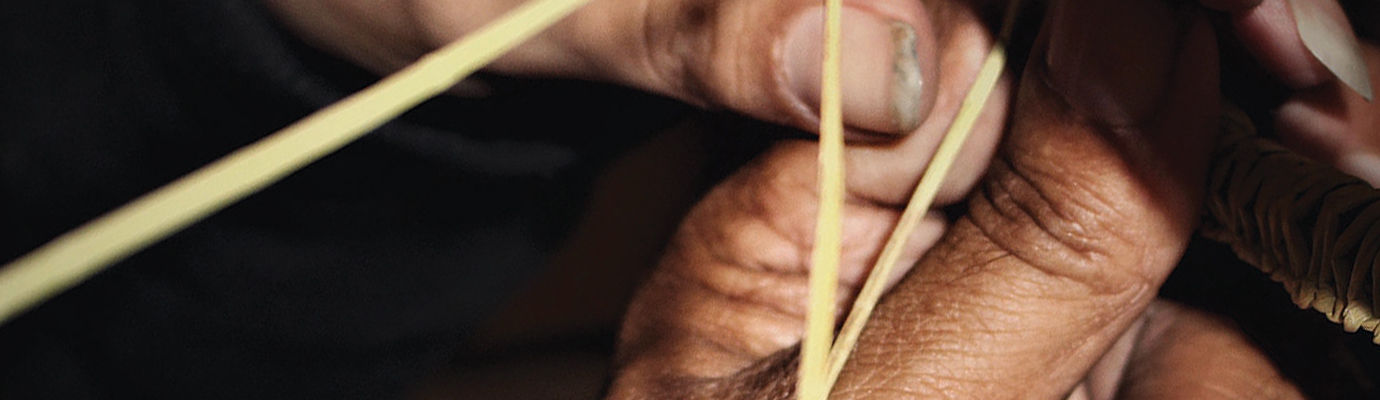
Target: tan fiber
[
  {"x": 921, "y": 199},
  {"x": 828, "y": 245},
  {"x": 1306, "y": 224},
  {"x": 86, "y": 250}
]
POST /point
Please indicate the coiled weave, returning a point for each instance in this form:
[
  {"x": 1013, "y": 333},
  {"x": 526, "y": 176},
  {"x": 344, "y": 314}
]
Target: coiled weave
[{"x": 1309, "y": 226}]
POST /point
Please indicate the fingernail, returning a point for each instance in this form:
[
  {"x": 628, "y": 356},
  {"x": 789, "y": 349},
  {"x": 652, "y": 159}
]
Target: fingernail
[
  {"x": 1112, "y": 59},
  {"x": 1325, "y": 31},
  {"x": 881, "y": 78}
]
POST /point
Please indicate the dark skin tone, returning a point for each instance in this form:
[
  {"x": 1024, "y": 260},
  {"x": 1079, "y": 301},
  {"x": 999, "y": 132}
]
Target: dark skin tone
[
  {"x": 1078, "y": 221},
  {"x": 1044, "y": 288}
]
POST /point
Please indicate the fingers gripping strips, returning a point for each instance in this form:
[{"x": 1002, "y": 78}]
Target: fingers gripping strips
[{"x": 1306, "y": 224}]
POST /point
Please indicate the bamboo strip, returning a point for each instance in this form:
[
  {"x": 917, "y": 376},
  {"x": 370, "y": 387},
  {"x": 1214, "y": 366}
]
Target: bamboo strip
[
  {"x": 923, "y": 197},
  {"x": 824, "y": 273},
  {"x": 81, "y": 253}
]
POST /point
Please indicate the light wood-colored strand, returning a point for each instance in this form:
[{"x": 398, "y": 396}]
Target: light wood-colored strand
[
  {"x": 969, "y": 111},
  {"x": 81, "y": 253},
  {"x": 824, "y": 271}
]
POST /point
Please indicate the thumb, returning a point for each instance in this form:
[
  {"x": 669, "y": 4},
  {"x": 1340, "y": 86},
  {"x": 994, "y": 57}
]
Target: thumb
[
  {"x": 1090, "y": 202},
  {"x": 759, "y": 58}
]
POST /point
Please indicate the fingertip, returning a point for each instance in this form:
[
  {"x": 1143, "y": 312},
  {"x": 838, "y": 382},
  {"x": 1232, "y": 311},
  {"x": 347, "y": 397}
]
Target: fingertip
[
  {"x": 1327, "y": 120},
  {"x": 1327, "y": 33},
  {"x": 1361, "y": 164},
  {"x": 1270, "y": 33},
  {"x": 1305, "y": 43},
  {"x": 1313, "y": 124},
  {"x": 1335, "y": 125}
]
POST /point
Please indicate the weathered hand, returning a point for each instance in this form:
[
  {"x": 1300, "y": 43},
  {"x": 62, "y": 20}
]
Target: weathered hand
[
  {"x": 1039, "y": 289},
  {"x": 1061, "y": 246},
  {"x": 903, "y": 60}
]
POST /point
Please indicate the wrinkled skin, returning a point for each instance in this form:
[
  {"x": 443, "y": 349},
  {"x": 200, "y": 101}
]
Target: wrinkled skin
[{"x": 1042, "y": 287}]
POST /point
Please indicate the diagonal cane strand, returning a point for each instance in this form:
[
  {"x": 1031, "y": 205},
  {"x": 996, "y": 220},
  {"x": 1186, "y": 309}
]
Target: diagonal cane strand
[
  {"x": 81, "y": 253},
  {"x": 923, "y": 197}
]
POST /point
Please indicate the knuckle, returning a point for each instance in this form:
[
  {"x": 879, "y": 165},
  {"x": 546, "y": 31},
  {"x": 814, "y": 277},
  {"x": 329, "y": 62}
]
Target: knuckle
[
  {"x": 719, "y": 54},
  {"x": 677, "y": 36},
  {"x": 1063, "y": 223}
]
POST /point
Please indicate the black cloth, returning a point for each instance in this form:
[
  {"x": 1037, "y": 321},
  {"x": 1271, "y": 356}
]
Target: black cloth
[{"x": 350, "y": 279}]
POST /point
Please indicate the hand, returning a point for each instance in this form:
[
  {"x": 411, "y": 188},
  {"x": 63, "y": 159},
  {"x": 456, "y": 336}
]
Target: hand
[
  {"x": 760, "y": 58},
  {"x": 1324, "y": 118},
  {"x": 1039, "y": 290},
  {"x": 733, "y": 265}
]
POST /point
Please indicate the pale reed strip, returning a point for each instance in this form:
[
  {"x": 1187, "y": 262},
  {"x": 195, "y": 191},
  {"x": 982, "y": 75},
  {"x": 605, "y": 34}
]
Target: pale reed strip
[
  {"x": 824, "y": 273},
  {"x": 86, "y": 250},
  {"x": 923, "y": 196}
]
